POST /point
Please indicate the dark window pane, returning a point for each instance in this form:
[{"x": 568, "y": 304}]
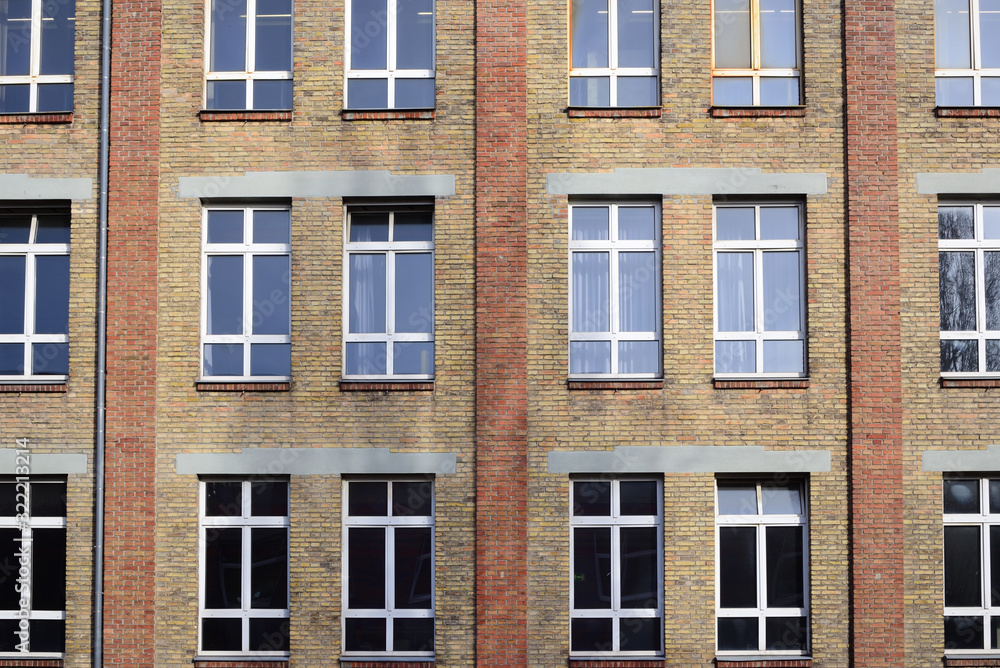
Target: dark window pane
[
  {"x": 369, "y": 35},
  {"x": 591, "y": 568},
  {"x": 227, "y": 95},
  {"x": 993, "y": 354},
  {"x": 48, "y": 635},
  {"x": 414, "y": 585},
  {"x": 366, "y": 568},
  {"x": 52, "y": 230},
  {"x": 223, "y": 359},
  {"x": 638, "y": 497},
  {"x": 15, "y": 98},
  {"x": 963, "y": 633},
  {"x": 367, "y": 498},
  {"x": 639, "y": 634},
  {"x": 269, "y": 634},
  {"x": 10, "y": 547},
  {"x": 269, "y": 498},
  {"x": 48, "y": 499},
  {"x": 414, "y": 292},
  {"x": 270, "y": 359},
  {"x": 957, "y": 276},
  {"x": 785, "y": 633},
  {"x": 994, "y": 586},
  {"x": 223, "y": 568},
  {"x": 962, "y": 496},
  {"x": 412, "y": 635},
  {"x": 414, "y": 94},
  {"x": 15, "y": 28},
  {"x": 591, "y": 635},
  {"x": 413, "y": 497},
  {"x": 592, "y": 498},
  {"x": 219, "y": 635},
  {"x": 50, "y": 358},
  {"x": 959, "y": 355},
  {"x": 368, "y": 226},
  {"x": 364, "y": 635},
  {"x": 956, "y": 222},
  {"x": 15, "y": 229},
  {"x": 8, "y": 505},
  {"x": 229, "y": 36},
  {"x": 994, "y": 496},
  {"x": 991, "y": 273},
  {"x": 8, "y": 635},
  {"x": 271, "y": 226},
  {"x": 962, "y": 567},
  {"x": 269, "y": 568},
  {"x": 413, "y": 226},
  {"x": 58, "y": 21},
  {"x": 785, "y": 588},
  {"x": 737, "y": 567},
  {"x": 12, "y": 279},
  {"x": 368, "y": 93},
  {"x": 11, "y": 359},
  {"x": 55, "y": 97},
  {"x": 48, "y": 572},
  {"x": 415, "y": 34},
  {"x": 52, "y": 294},
  {"x": 223, "y": 499},
  {"x": 225, "y": 294},
  {"x": 994, "y": 632},
  {"x": 272, "y": 94},
  {"x": 225, "y": 227},
  {"x": 274, "y": 36},
  {"x": 640, "y": 583},
  {"x": 738, "y": 633}
]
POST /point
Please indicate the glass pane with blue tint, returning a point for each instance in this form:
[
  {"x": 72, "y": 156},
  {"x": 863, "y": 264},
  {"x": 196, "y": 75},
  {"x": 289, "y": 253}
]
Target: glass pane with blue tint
[
  {"x": 15, "y": 37},
  {"x": 413, "y": 226},
  {"x": 269, "y": 634},
  {"x": 413, "y": 357},
  {"x": 592, "y": 568},
  {"x": 732, "y": 35},
  {"x": 638, "y": 285},
  {"x": 991, "y": 276},
  {"x": 590, "y": 33},
  {"x": 52, "y": 230},
  {"x": 14, "y": 230},
  {"x": 781, "y": 284},
  {"x": 952, "y": 31},
  {"x": 592, "y": 498},
  {"x": 271, "y": 299},
  {"x": 414, "y": 35},
  {"x": 272, "y": 94},
  {"x": 737, "y": 499},
  {"x": 12, "y": 285},
  {"x": 590, "y": 92},
  {"x": 638, "y": 92},
  {"x": 593, "y": 634},
  {"x": 55, "y": 97},
  {"x": 786, "y": 634},
  {"x": 223, "y": 568},
  {"x": 732, "y": 91},
  {"x": 953, "y": 91},
  {"x": 956, "y": 222},
  {"x": 779, "y": 91},
  {"x": 223, "y": 499},
  {"x": 636, "y": 222},
  {"x": 369, "y": 226},
  {"x": 269, "y": 498},
  {"x": 591, "y": 297},
  {"x": 367, "y": 499},
  {"x": 779, "y": 222},
  {"x": 591, "y": 223},
  {"x": 223, "y": 359},
  {"x": 221, "y": 634},
  {"x": 271, "y": 226},
  {"x": 11, "y": 359},
  {"x": 366, "y": 568},
  {"x": 990, "y": 93},
  {"x": 367, "y": 292},
  {"x": 737, "y": 567},
  {"x": 735, "y": 357},
  {"x": 589, "y": 357},
  {"x": 414, "y": 292},
  {"x": 785, "y": 577},
  {"x": 992, "y": 355},
  {"x": 784, "y": 357},
  {"x": 225, "y": 295},
  {"x": 364, "y": 635},
  {"x": 412, "y": 498},
  {"x": 227, "y": 95},
  {"x": 639, "y": 357},
  {"x": 52, "y": 294},
  {"x": 15, "y": 98},
  {"x": 273, "y": 46},
  {"x": 738, "y": 633},
  {"x": 270, "y": 359},
  {"x": 268, "y": 568},
  {"x": 369, "y": 35},
  {"x": 225, "y": 227},
  {"x": 735, "y": 292},
  {"x": 778, "y": 25},
  {"x": 368, "y": 93},
  {"x": 639, "y": 567},
  {"x": 962, "y": 566},
  {"x": 734, "y": 224},
  {"x": 229, "y": 36},
  {"x": 994, "y": 506},
  {"x": 991, "y": 222},
  {"x": 413, "y": 634},
  {"x": 640, "y": 634},
  {"x": 366, "y": 359},
  {"x": 957, "y": 279},
  {"x": 50, "y": 359},
  {"x": 414, "y": 94},
  {"x": 636, "y": 33},
  {"x": 963, "y": 633},
  {"x": 414, "y": 582},
  {"x": 58, "y": 22},
  {"x": 781, "y": 499},
  {"x": 638, "y": 497},
  {"x": 959, "y": 355},
  {"x": 989, "y": 28}
]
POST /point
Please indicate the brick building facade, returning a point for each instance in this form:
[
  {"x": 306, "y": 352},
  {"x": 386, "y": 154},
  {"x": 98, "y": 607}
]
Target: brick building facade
[{"x": 603, "y": 333}]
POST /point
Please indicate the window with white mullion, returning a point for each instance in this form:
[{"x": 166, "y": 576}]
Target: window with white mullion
[
  {"x": 967, "y": 59},
  {"x": 36, "y": 56}
]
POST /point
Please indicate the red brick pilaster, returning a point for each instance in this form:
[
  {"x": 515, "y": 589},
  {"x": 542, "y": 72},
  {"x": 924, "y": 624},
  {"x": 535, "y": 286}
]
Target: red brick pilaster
[
  {"x": 501, "y": 334},
  {"x": 129, "y": 562},
  {"x": 875, "y": 387}
]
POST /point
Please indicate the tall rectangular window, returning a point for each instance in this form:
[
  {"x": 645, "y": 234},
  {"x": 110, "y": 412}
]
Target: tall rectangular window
[
  {"x": 390, "y": 54},
  {"x": 967, "y": 53},
  {"x": 244, "y": 567},
  {"x": 757, "y": 53},
  {"x": 615, "y": 53},
  {"x": 969, "y": 277},
  {"x": 389, "y": 567},
  {"x": 34, "y": 295},
  {"x": 615, "y": 306},
  {"x": 33, "y": 550},
  {"x": 616, "y": 592},
  {"x": 246, "y": 280},
  {"x": 390, "y": 292},
  {"x": 37, "y": 42},
  {"x": 759, "y": 290},
  {"x": 762, "y": 568},
  {"x": 249, "y": 55}
]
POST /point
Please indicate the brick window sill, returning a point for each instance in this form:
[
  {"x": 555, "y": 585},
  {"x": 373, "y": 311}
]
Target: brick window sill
[
  {"x": 626, "y": 385},
  {"x": 31, "y": 663},
  {"x": 617, "y": 663},
  {"x": 223, "y": 116},
  {"x": 368, "y": 663},
  {"x": 763, "y": 662},
  {"x": 213, "y": 386},
  {"x": 758, "y": 112},
  {"x": 614, "y": 112},
  {"x": 386, "y": 386},
  {"x": 389, "y": 115},
  {"x": 46, "y": 118},
  {"x": 971, "y": 661},
  {"x": 967, "y": 112},
  {"x": 208, "y": 662},
  {"x": 31, "y": 388},
  {"x": 761, "y": 383},
  {"x": 970, "y": 382}
]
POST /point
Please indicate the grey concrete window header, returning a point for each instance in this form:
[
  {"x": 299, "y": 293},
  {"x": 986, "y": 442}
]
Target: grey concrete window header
[
  {"x": 985, "y": 182},
  {"x": 690, "y": 459},
  {"x": 316, "y": 461},
  {"x": 962, "y": 460},
  {"x": 43, "y": 463},
  {"x": 25, "y": 187},
  {"x": 371, "y": 183},
  {"x": 686, "y": 181}
]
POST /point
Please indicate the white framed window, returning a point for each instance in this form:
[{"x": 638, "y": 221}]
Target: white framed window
[
  {"x": 762, "y": 567},
  {"x": 34, "y": 294},
  {"x": 614, "y": 53},
  {"x": 389, "y": 296},
  {"x": 390, "y": 54},
  {"x": 614, "y": 296},
  {"x": 249, "y": 55},
  {"x": 969, "y": 279},
  {"x": 243, "y": 546},
  {"x": 246, "y": 281},
  {"x": 388, "y": 566},
  {"x": 33, "y": 546},
  {"x": 759, "y": 290},
  {"x": 37, "y": 51},
  {"x": 616, "y": 591},
  {"x": 756, "y": 53},
  {"x": 967, "y": 53}
]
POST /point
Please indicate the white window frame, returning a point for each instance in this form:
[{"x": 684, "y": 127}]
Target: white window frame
[
  {"x": 390, "y": 249},
  {"x": 247, "y": 250},
  {"x": 758, "y": 247},
  {"x": 613, "y": 72},
  {"x": 616, "y": 521},
  {"x": 761, "y": 522},
  {"x": 613, "y": 246},
  {"x": 979, "y": 246},
  {"x": 249, "y": 75},
  {"x": 389, "y": 522},
  {"x": 978, "y": 71},
  {"x": 34, "y": 78},
  {"x": 30, "y": 251},
  {"x": 246, "y": 522},
  {"x": 392, "y": 71},
  {"x": 756, "y": 72}
]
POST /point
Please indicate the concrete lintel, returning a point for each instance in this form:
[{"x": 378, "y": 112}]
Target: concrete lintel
[
  {"x": 43, "y": 463},
  {"x": 985, "y": 182},
  {"x": 690, "y": 459},
  {"x": 686, "y": 181},
  {"x": 316, "y": 461},
  {"x": 371, "y": 183},
  {"x": 26, "y": 187},
  {"x": 962, "y": 460}
]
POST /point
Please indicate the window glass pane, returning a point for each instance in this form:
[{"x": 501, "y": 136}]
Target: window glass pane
[
  {"x": 737, "y": 567},
  {"x": 990, "y": 91},
  {"x": 15, "y": 37},
  {"x": 778, "y": 25},
  {"x": 639, "y": 357},
  {"x": 959, "y": 355},
  {"x": 591, "y": 568},
  {"x": 58, "y": 21},
  {"x": 414, "y": 292},
  {"x": 270, "y": 359},
  {"x": 952, "y": 44},
  {"x": 962, "y": 567},
  {"x": 413, "y": 226},
  {"x": 223, "y": 359},
  {"x": 591, "y": 634},
  {"x": 638, "y": 281},
  {"x": 989, "y": 28},
  {"x": 737, "y": 499},
  {"x": 11, "y": 359},
  {"x": 591, "y": 498},
  {"x": 12, "y": 279},
  {"x": 271, "y": 226},
  {"x": 589, "y": 357},
  {"x": 785, "y": 584},
  {"x": 52, "y": 294},
  {"x": 269, "y": 568},
  {"x": 223, "y": 499},
  {"x": 993, "y": 354},
  {"x": 991, "y": 222},
  {"x": 219, "y": 635},
  {"x": 963, "y": 633},
  {"x": 269, "y": 634},
  {"x": 223, "y": 567},
  {"x": 414, "y": 94},
  {"x": 591, "y": 298},
  {"x": 271, "y": 301},
  {"x": 590, "y": 92},
  {"x": 590, "y": 33},
  {"x": 276, "y": 94},
  {"x": 412, "y": 635},
  {"x": 15, "y": 230},
  {"x": 784, "y": 356},
  {"x": 225, "y": 227},
  {"x": 51, "y": 230},
  {"x": 367, "y": 292},
  {"x": 368, "y": 499},
  {"x": 366, "y": 359},
  {"x": 781, "y": 499},
  {"x": 991, "y": 275},
  {"x": 55, "y": 97},
  {"x": 639, "y": 567},
  {"x": 785, "y": 633},
  {"x": 640, "y": 634},
  {"x": 229, "y": 36},
  {"x": 369, "y": 226},
  {"x": 638, "y": 497},
  {"x": 637, "y": 223},
  {"x": 269, "y": 498},
  {"x": 414, "y": 584},
  {"x": 9, "y": 549},
  {"x": 780, "y": 299},
  {"x": 8, "y": 507},
  {"x": 225, "y": 295},
  {"x": 957, "y": 276},
  {"x": 732, "y": 34},
  {"x": 737, "y": 223},
  {"x": 48, "y": 499},
  {"x": 735, "y": 277},
  {"x": 953, "y": 91},
  {"x": 48, "y": 581},
  {"x": 995, "y": 632},
  {"x": 592, "y": 223},
  {"x": 413, "y": 357},
  {"x": 779, "y": 222},
  {"x": 735, "y": 357},
  {"x": 414, "y": 35},
  {"x": 738, "y": 633},
  {"x": 369, "y": 34},
  {"x": 366, "y": 568},
  {"x": 956, "y": 222},
  {"x": 273, "y": 45},
  {"x": 15, "y": 98},
  {"x": 636, "y": 33},
  {"x": 779, "y": 91},
  {"x": 994, "y": 566},
  {"x": 227, "y": 95},
  {"x": 412, "y": 498},
  {"x": 638, "y": 92},
  {"x": 50, "y": 359},
  {"x": 364, "y": 635},
  {"x": 368, "y": 93},
  {"x": 994, "y": 497}
]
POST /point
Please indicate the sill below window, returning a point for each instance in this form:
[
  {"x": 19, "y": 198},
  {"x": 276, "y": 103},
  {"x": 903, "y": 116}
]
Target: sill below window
[
  {"x": 967, "y": 112},
  {"x": 388, "y": 115},
  {"x": 611, "y": 384},
  {"x": 38, "y": 118},
  {"x": 12, "y": 386},
  {"x": 764, "y": 662},
  {"x": 227, "y": 662},
  {"x": 972, "y": 661},
  {"x": 761, "y": 383},
  {"x": 31, "y": 663},
  {"x": 348, "y": 385},
  {"x": 617, "y": 663},
  {"x": 386, "y": 663},
  {"x": 758, "y": 112},
  {"x": 970, "y": 382},
  {"x": 220, "y": 115},
  {"x": 614, "y": 112},
  {"x": 230, "y": 386}
]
